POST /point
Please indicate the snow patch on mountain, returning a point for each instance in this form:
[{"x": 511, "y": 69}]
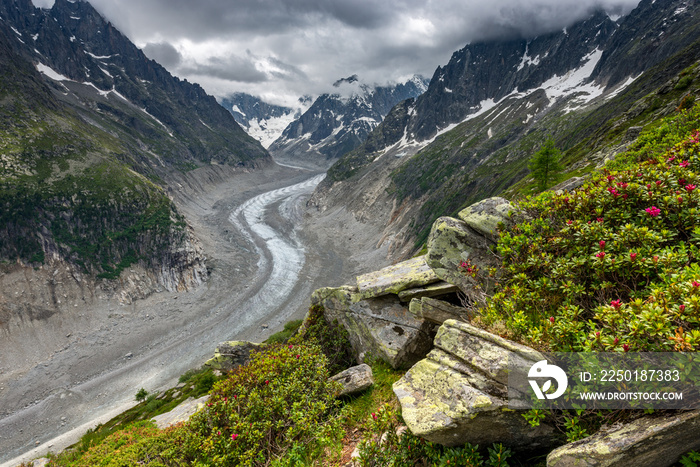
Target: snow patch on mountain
[
  {"x": 268, "y": 130},
  {"x": 575, "y": 80},
  {"x": 51, "y": 73}
]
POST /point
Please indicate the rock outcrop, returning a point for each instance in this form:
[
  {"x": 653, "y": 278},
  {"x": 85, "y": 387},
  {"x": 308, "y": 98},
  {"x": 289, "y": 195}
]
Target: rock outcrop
[
  {"x": 657, "y": 440},
  {"x": 381, "y": 326},
  {"x": 438, "y": 311},
  {"x": 459, "y": 393},
  {"x": 468, "y": 240}
]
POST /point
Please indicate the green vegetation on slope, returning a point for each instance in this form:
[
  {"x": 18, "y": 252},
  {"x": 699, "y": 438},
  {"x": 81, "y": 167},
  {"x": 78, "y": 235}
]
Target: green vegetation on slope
[
  {"x": 614, "y": 266},
  {"x": 60, "y": 191},
  {"x": 67, "y": 188}
]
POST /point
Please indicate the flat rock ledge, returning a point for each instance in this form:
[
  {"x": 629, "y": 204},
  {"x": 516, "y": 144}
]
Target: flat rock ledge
[
  {"x": 657, "y": 441},
  {"x": 393, "y": 279},
  {"x": 355, "y": 379},
  {"x": 459, "y": 393}
]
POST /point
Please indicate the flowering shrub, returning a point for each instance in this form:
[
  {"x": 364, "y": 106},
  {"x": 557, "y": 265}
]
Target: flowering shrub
[
  {"x": 275, "y": 404},
  {"x": 615, "y": 265}
]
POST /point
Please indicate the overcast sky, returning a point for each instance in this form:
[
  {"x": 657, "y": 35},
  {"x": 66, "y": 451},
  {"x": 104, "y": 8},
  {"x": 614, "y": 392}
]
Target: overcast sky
[{"x": 280, "y": 50}]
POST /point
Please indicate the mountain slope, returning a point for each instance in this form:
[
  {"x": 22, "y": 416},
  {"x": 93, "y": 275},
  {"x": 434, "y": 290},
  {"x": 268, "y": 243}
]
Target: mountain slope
[
  {"x": 91, "y": 131},
  {"x": 337, "y": 123},
  {"x": 66, "y": 197},
  {"x": 111, "y": 84},
  {"x": 471, "y": 134}
]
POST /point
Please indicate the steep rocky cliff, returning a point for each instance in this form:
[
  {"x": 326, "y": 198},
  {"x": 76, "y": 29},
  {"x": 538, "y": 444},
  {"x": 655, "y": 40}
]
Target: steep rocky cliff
[
  {"x": 104, "y": 77},
  {"x": 470, "y": 135}
]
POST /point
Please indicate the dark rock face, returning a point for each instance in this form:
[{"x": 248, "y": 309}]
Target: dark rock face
[{"x": 493, "y": 70}]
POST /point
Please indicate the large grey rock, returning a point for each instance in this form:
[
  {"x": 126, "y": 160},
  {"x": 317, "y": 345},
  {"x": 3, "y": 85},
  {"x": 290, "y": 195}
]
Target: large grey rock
[
  {"x": 382, "y": 326},
  {"x": 393, "y": 279},
  {"x": 485, "y": 216},
  {"x": 657, "y": 441},
  {"x": 355, "y": 379},
  {"x": 232, "y": 354},
  {"x": 451, "y": 242},
  {"x": 438, "y": 311},
  {"x": 458, "y": 394}
]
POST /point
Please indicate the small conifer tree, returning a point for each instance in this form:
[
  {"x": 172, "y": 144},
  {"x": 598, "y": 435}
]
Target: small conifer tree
[
  {"x": 141, "y": 395},
  {"x": 544, "y": 164}
]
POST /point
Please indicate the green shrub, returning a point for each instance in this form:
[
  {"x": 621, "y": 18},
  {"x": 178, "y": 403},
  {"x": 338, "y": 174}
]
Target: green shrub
[
  {"x": 615, "y": 265},
  {"x": 683, "y": 83},
  {"x": 272, "y": 406},
  {"x": 387, "y": 446},
  {"x": 141, "y": 395},
  {"x": 139, "y": 444}
]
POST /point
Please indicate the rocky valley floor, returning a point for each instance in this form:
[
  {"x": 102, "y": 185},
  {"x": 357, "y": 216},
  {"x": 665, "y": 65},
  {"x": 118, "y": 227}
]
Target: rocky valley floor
[{"x": 63, "y": 374}]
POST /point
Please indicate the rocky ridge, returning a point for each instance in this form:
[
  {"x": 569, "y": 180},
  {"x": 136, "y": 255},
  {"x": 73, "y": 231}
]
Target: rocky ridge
[
  {"x": 470, "y": 135},
  {"x": 337, "y": 123}
]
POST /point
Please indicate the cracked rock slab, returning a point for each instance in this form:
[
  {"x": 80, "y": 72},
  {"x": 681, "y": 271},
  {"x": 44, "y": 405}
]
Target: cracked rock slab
[{"x": 381, "y": 326}]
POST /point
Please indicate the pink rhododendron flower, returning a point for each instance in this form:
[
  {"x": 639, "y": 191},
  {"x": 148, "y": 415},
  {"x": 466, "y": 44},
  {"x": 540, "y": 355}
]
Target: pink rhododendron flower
[
  {"x": 653, "y": 211},
  {"x": 616, "y": 304}
]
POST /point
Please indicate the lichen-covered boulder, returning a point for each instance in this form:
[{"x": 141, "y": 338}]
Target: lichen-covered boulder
[
  {"x": 355, "y": 379},
  {"x": 458, "y": 394},
  {"x": 485, "y": 216},
  {"x": 452, "y": 242},
  {"x": 395, "y": 278},
  {"x": 382, "y": 326},
  {"x": 232, "y": 354},
  {"x": 659, "y": 441}
]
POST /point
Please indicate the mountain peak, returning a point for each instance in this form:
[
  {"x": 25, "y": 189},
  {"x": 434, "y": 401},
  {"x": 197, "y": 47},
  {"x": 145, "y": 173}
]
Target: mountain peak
[{"x": 348, "y": 80}]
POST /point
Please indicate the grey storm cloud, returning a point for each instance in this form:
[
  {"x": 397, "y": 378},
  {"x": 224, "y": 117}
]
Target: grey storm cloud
[
  {"x": 230, "y": 68},
  {"x": 163, "y": 53},
  {"x": 301, "y": 47}
]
